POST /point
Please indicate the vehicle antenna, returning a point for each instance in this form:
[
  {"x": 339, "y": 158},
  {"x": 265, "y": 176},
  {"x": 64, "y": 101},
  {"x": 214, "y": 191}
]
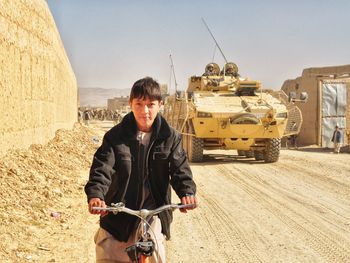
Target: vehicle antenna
[
  {"x": 170, "y": 76},
  {"x": 173, "y": 71},
  {"x": 214, "y": 53},
  {"x": 214, "y": 39}
]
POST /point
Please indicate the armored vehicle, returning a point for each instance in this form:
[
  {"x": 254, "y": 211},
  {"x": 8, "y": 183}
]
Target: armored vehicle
[{"x": 222, "y": 110}]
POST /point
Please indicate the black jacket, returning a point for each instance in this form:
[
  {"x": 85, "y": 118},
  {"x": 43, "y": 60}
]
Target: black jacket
[
  {"x": 114, "y": 175},
  {"x": 336, "y": 138}
]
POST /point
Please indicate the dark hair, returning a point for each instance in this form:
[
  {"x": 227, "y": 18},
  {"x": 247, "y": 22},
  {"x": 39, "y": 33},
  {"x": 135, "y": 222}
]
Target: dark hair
[{"x": 146, "y": 88}]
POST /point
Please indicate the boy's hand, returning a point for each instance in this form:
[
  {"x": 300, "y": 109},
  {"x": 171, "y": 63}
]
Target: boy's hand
[
  {"x": 97, "y": 202},
  {"x": 188, "y": 199}
]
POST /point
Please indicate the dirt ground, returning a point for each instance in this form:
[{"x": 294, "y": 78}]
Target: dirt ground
[{"x": 294, "y": 210}]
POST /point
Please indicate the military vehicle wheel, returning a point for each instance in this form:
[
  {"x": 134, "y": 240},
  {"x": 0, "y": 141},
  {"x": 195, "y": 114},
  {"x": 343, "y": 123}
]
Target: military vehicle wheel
[
  {"x": 272, "y": 150},
  {"x": 249, "y": 154},
  {"x": 193, "y": 146},
  {"x": 259, "y": 155},
  {"x": 240, "y": 153}
]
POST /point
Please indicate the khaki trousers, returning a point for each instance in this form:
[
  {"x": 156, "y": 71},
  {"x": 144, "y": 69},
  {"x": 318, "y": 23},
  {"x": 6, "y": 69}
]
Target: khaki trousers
[
  {"x": 110, "y": 250},
  {"x": 336, "y": 147}
]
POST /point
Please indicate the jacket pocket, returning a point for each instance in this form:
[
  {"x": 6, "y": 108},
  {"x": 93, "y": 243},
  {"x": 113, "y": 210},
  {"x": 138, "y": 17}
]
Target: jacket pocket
[
  {"x": 120, "y": 178},
  {"x": 123, "y": 157},
  {"x": 161, "y": 153},
  {"x": 123, "y": 163}
]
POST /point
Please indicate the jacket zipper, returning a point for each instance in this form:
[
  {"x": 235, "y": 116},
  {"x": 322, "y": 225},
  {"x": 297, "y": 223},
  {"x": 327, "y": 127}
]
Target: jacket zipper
[
  {"x": 148, "y": 179},
  {"x": 138, "y": 164}
]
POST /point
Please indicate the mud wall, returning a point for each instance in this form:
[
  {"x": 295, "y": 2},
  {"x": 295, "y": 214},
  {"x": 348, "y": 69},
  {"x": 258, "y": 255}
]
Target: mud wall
[
  {"x": 37, "y": 83},
  {"x": 310, "y": 81}
]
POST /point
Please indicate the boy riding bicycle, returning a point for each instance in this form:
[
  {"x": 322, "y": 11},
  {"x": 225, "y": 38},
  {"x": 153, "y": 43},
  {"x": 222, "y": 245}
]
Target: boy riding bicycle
[{"x": 137, "y": 162}]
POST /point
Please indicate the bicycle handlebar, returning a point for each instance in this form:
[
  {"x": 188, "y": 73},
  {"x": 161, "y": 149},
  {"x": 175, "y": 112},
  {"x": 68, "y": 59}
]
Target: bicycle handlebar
[{"x": 142, "y": 213}]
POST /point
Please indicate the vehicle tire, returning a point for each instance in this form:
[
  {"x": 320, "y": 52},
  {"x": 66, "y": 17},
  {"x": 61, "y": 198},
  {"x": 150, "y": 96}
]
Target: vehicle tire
[
  {"x": 249, "y": 154},
  {"x": 259, "y": 155},
  {"x": 192, "y": 145},
  {"x": 240, "y": 153},
  {"x": 272, "y": 150}
]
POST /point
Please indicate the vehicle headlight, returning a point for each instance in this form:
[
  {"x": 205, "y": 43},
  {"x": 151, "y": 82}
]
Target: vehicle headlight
[
  {"x": 269, "y": 116},
  {"x": 201, "y": 114},
  {"x": 282, "y": 115},
  {"x": 259, "y": 115}
]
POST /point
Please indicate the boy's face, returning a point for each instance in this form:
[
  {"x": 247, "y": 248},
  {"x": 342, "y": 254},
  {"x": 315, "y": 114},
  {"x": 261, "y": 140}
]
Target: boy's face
[{"x": 145, "y": 111}]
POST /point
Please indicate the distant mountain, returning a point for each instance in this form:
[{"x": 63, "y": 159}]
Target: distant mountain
[{"x": 97, "y": 97}]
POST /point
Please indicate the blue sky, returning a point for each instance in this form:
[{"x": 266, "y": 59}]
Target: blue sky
[{"x": 112, "y": 43}]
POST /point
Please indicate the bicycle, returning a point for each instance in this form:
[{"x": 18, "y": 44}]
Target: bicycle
[{"x": 143, "y": 249}]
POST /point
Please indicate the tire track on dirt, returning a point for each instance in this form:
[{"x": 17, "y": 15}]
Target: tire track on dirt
[
  {"x": 331, "y": 213},
  {"x": 325, "y": 206},
  {"x": 323, "y": 181},
  {"x": 324, "y": 243},
  {"x": 217, "y": 217},
  {"x": 318, "y": 171},
  {"x": 227, "y": 233}
]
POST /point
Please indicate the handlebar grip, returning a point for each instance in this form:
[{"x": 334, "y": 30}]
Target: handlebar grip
[{"x": 180, "y": 205}]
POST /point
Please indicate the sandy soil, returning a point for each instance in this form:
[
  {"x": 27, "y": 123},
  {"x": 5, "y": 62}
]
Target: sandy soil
[{"x": 295, "y": 210}]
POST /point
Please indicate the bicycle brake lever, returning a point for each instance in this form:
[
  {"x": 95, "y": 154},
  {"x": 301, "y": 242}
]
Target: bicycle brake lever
[{"x": 117, "y": 205}]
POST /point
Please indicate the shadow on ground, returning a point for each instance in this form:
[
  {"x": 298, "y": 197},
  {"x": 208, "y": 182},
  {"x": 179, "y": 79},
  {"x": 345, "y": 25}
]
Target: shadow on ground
[
  {"x": 226, "y": 158},
  {"x": 317, "y": 149}
]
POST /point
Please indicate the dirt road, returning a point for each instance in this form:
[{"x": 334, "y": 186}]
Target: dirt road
[{"x": 295, "y": 210}]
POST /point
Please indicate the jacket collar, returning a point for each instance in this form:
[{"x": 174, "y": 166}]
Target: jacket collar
[{"x": 160, "y": 128}]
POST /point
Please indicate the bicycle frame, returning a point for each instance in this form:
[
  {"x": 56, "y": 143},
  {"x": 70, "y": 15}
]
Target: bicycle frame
[{"x": 144, "y": 248}]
